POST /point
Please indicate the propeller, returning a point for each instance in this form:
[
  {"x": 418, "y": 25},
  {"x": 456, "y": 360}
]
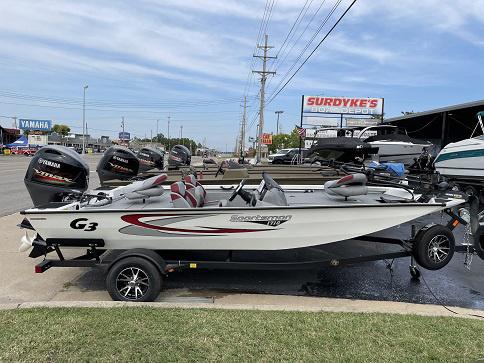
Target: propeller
[{"x": 25, "y": 243}]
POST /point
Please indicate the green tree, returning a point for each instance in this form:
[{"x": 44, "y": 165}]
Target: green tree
[
  {"x": 62, "y": 130},
  {"x": 283, "y": 141}
]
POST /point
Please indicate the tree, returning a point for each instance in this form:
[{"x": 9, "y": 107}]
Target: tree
[
  {"x": 62, "y": 130},
  {"x": 283, "y": 141}
]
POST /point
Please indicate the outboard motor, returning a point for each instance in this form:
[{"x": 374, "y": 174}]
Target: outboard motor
[
  {"x": 179, "y": 156},
  {"x": 54, "y": 173},
  {"x": 150, "y": 158},
  {"x": 118, "y": 162}
]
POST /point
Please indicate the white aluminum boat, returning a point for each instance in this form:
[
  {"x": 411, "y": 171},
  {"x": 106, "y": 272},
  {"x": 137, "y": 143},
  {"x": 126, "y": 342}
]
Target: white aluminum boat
[{"x": 156, "y": 231}]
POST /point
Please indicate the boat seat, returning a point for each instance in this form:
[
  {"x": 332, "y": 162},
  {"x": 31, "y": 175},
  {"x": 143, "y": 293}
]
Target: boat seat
[
  {"x": 179, "y": 197},
  {"x": 193, "y": 180},
  {"x": 195, "y": 189},
  {"x": 348, "y": 186},
  {"x": 143, "y": 189}
]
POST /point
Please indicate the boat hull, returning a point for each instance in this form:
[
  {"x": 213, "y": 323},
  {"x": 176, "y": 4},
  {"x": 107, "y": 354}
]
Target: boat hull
[
  {"x": 463, "y": 159},
  {"x": 398, "y": 152},
  {"x": 275, "y": 228}
]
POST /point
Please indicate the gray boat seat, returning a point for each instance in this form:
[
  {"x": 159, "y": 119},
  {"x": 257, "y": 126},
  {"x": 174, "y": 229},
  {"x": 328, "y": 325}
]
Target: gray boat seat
[
  {"x": 143, "y": 189},
  {"x": 179, "y": 197},
  {"x": 348, "y": 186}
]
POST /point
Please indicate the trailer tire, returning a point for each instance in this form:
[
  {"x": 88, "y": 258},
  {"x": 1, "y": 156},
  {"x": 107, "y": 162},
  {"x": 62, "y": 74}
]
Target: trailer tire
[
  {"x": 434, "y": 246},
  {"x": 133, "y": 279}
]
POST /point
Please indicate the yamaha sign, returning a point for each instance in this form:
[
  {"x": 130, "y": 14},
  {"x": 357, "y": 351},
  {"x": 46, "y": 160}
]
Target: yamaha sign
[
  {"x": 37, "y": 125},
  {"x": 343, "y": 105}
]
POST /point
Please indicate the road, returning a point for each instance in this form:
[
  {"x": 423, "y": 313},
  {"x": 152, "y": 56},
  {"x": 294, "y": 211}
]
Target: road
[{"x": 453, "y": 285}]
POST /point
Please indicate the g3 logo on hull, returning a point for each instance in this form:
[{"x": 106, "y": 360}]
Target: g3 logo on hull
[{"x": 84, "y": 224}]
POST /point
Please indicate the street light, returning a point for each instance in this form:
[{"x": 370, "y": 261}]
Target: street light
[
  {"x": 277, "y": 127},
  {"x": 84, "y": 121}
]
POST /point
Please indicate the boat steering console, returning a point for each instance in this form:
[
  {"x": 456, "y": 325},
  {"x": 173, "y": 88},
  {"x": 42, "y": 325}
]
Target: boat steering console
[{"x": 267, "y": 189}]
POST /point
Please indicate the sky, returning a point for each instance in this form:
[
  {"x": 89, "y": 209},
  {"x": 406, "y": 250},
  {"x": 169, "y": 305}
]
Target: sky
[{"x": 191, "y": 60}]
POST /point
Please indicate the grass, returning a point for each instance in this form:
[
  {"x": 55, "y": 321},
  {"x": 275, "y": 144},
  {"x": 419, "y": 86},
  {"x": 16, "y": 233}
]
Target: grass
[{"x": 134, "y": 334}]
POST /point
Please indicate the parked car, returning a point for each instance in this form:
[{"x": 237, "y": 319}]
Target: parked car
[
  {"x": 286, "y": 156},
  {"x": 24, "y": 151}
]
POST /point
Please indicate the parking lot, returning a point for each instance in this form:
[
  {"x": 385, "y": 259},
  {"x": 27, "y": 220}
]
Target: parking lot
[{"x": 453, "y": 285}]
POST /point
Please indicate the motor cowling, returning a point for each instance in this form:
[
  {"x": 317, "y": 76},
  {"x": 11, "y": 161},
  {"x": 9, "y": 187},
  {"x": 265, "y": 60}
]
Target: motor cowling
[
  {"x": 54, "y": 173},
  {"x": 150, "y": 158},
  {"x": 118, "y": 162},
  {"x": 179, "y": 156}
]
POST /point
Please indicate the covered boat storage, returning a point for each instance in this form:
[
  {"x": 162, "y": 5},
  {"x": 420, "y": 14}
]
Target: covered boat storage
[{"x": 443, "y": 125}]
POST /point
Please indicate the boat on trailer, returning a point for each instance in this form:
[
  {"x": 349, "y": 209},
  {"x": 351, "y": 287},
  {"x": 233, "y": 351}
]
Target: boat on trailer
[{"x": 158, "y": 230}]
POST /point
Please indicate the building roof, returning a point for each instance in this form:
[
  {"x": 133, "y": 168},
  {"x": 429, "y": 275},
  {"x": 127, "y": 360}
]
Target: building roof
[{"x": 437, "y": 110}]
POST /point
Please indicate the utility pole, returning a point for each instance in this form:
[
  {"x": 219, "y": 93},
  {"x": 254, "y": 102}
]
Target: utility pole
[
  {"x": 168, "y": 133},
  {"x": 84, "y": 121},
  {"x": 157, "y": 121},
  {"x": 14, "y": 122},
  {"x": 122, "y": 126},
  {"x": 151, "y": 134},
  {"x": 263, "y": 78},
  {"x": 277, "y": 127},
  {"x": 242, "y": 131},
  {"x": 181, "y": 134}
]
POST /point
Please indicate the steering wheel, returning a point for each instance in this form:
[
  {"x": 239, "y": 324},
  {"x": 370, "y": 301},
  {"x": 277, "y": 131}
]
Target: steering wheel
[{"x": 238, "y": 190}]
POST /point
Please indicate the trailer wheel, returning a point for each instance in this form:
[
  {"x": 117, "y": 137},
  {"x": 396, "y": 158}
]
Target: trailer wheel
[
  {"x": 133, "y": 279},
  {"x": 434, "y": 247}
]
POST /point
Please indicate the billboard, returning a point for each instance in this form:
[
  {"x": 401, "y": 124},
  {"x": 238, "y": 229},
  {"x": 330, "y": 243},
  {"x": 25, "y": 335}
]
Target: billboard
[
  {"x": 125, "y": 136},
  {"x": 267, "y": 139},
  {"x": 343, "y": 105},
  {"x": 39, "y": 125},
  {"x": 40, "y": 140}
]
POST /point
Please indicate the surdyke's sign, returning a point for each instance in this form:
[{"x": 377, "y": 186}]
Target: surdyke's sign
[{"x": 343, "y": 105}]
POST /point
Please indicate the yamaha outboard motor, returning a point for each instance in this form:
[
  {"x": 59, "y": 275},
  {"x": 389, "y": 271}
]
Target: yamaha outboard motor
[
  {"x": 179, "y": 156},
  {"x": 54, "y": 173},
  {"x": 150, "y": 158},
  {"x": 118, "y": 162}
]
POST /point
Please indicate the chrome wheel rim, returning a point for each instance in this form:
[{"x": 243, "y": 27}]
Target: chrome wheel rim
[
  {"x": 439, "y": 248},
  {"x": 132, "y": 283}
]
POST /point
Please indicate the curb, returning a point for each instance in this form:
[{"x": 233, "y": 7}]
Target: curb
[{"x": 306, "y": 304}]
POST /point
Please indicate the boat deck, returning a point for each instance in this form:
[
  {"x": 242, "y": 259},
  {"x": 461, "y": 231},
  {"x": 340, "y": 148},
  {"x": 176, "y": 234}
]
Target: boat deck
[{"x": 293, "y": 197}]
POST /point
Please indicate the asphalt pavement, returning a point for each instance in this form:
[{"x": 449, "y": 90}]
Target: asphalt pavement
[{"x": 453, "y": 285}]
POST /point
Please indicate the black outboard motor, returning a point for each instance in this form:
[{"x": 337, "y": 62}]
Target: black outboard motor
[
  {"x": 118, "y": 162},
  {"x": 179, "y": 156},
  {"x": 54, "y": 173},
  {"x": 150, "y": 158}
]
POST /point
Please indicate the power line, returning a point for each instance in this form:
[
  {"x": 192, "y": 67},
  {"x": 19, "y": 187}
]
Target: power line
[
  {"x": 279, "y": 63},
  {"x": 321, "y": 26},
  {"x": 313, "y": 51}
]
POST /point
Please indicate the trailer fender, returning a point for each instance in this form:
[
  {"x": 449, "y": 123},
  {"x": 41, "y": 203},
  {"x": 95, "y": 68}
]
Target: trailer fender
[{"x": 149, "y": 255}]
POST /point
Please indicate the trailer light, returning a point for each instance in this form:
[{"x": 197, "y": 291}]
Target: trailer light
[
  {"x": 465, "y": 215},
  {"x": 38, "y": 269}
]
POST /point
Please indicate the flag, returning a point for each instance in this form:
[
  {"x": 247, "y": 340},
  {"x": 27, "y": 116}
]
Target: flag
[{"x": 301, "y": 131}]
